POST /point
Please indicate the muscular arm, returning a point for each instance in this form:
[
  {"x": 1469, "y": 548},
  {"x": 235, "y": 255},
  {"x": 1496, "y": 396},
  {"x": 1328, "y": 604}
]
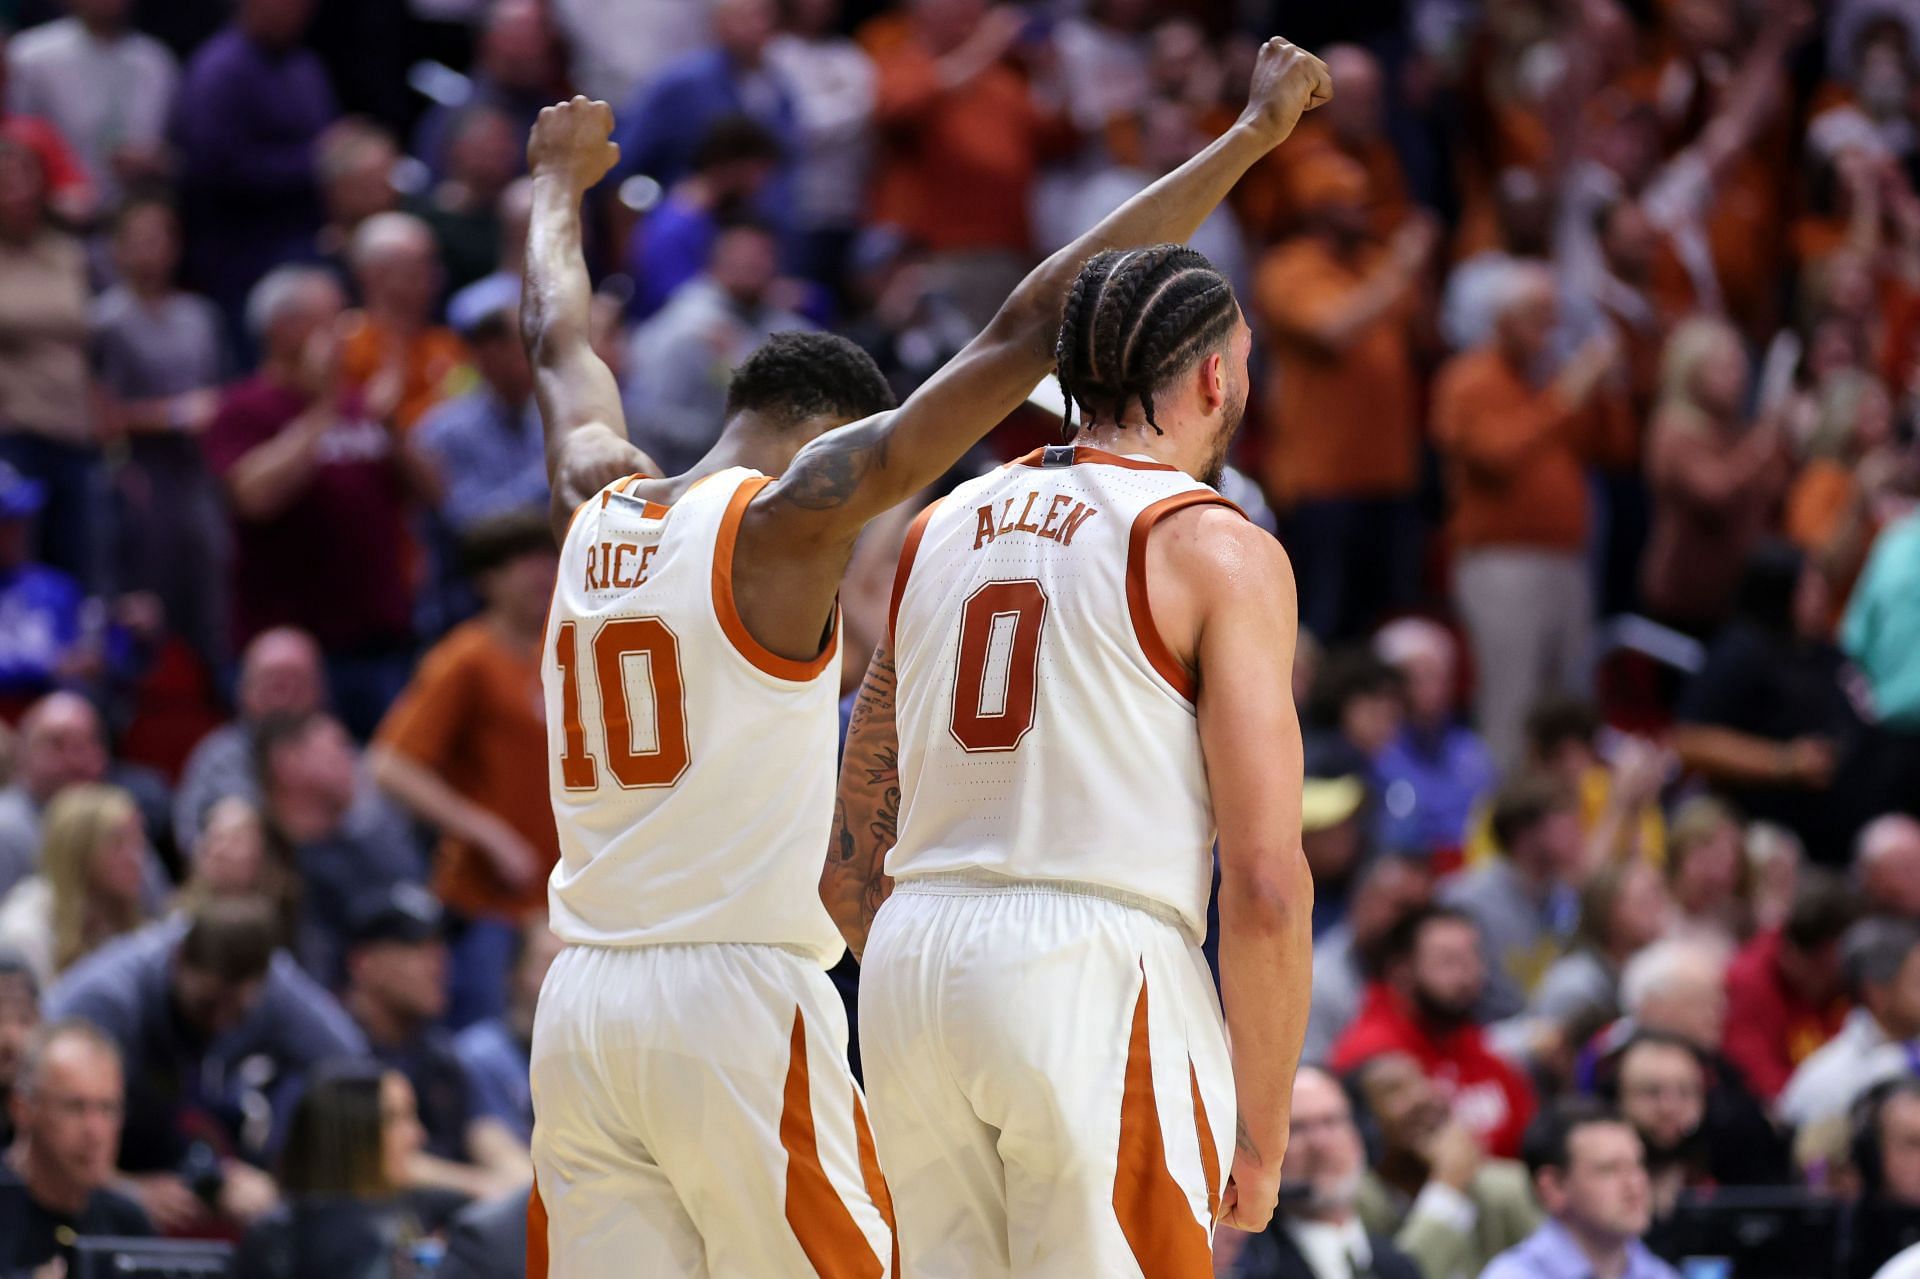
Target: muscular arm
[
  {"x": 866, "y": 816},
  {"x": 586, "y": 431},
  {"x": 1243, "y": 595},
  {"x": 846, "y": 477}
]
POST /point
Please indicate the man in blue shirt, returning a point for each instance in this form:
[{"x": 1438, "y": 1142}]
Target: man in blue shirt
[
  {"x": 40, "y": 607},
  {"x": 1590, "y": 1172}
]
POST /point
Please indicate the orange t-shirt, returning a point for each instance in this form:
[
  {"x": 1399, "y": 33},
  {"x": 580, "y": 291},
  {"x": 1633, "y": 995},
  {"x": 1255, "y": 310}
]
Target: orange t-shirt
[
  {"x": 955, "y": 168},
  {"x": 1342, "y": 423},
  {"x": 1515, "y": 456},
  {"x": 473, "y": 716},
  {"x": 434, "y": 365}
]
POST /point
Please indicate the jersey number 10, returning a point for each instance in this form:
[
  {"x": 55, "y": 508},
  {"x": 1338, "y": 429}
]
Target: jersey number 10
[{"x": 623, "y": 647}]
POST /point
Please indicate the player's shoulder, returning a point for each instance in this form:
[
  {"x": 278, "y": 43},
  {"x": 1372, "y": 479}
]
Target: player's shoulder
[{"x": 1214, "y": 541}]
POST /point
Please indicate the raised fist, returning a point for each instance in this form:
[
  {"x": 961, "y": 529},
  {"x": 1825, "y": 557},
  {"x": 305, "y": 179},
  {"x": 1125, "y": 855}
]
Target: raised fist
[
  {"x": 572, "y": 141},
  {"x": 1287, "y": 81}
]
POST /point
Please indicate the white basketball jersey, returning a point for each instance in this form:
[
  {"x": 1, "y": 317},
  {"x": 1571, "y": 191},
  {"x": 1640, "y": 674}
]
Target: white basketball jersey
[
  {"x": 1046, "y": 732},
  {"x": 692, "y": 770}
]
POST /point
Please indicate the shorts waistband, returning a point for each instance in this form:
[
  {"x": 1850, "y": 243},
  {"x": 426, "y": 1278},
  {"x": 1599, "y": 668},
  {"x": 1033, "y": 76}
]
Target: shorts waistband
[
  {"x": 967, "y": 883},
  {"x": 791, "y": 948}
]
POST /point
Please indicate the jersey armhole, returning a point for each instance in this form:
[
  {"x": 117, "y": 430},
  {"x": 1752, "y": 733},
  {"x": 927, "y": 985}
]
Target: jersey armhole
[
  {"x": 1139, "y": 602},
  {"x": 909, "y": 549},
  {"x": 763, "y": 659}
]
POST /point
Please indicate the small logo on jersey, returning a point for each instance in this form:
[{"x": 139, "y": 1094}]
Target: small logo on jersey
[
  {"x": 1057, "y": 455},
  {"x": 1058, "y": 524}
]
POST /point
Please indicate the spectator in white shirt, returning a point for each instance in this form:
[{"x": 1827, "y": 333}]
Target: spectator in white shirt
[
  {"x": 1881, "y": 962},
  {"x": 108, "y": 88}
]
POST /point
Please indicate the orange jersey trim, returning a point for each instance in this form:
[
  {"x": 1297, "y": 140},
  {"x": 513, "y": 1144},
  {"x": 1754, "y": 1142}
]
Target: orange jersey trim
[
  {"x": 763, "y": 659},
  {"x": 909, "y": 549},
  {"x": 1153, "y": 1210},
  {"x": 1209, "y": 1157},
  {"x": 1082, "y": 456},
  {"x": 818, "y": 1217},
  {"x": 536, "y": 1234},
  {"x": 1139, "y": 602},
  {"x": 875, "y": 1180}
]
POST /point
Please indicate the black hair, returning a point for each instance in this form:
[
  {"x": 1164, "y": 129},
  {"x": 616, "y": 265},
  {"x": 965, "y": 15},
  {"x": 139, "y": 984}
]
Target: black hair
[
  {"x": 1867, "y": 1148},
  {"x": 795, "y": 377},
  {"x": 1607, "y": 1075},
  {"x": 1350, "y": 673},
  {"x": 1550, "y": 1136},
  {"x": 1404, "y": 936},
  {"x": 732, "y": 139},
  {"x": 1133, "y": 319},
  {"x": 1823, "y": 909},
  {"x": 500, "y": 539},
  {"x": 333, "y": 1142},
  {"x": 273, "y": 732},
  {"x": 1768, "y": 582},
  {"x": 232, "y": 939},
  {"x": 14, "y": 964}
]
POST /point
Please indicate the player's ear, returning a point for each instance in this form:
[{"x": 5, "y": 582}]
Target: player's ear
[{"x": 1213, "y": 382}]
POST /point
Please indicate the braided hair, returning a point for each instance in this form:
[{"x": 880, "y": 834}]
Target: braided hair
[{"x": 1134, "y": 319}]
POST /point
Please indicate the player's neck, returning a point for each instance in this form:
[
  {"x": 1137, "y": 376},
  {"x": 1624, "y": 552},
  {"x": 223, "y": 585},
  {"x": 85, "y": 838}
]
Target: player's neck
[{"x": 1137, "y": 439}]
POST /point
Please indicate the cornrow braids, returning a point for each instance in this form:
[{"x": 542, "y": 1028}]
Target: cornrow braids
[{"x": 1132, "y": 321}]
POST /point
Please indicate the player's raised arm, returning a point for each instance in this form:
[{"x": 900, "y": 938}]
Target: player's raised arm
[
  {"x": 866, "y": 816},
  {"x": 846, "y": 477},
  {"x": 1250, "y": 737},
  {"x": 586, "y": 431}
]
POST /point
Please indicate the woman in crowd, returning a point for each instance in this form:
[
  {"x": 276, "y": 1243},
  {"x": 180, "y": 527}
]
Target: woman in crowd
[
  {"x": 343, "y": 1172},
  {"x": 88, "y": 890},
  {"x": 1707, "y": 871},
  {"x": 1623, "y": 908},
  {"x": 1715, "y": 478}
]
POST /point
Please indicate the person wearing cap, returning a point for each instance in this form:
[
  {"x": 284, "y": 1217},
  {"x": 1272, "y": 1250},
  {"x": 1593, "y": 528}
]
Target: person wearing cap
[
  {"x": 1338, "y": 310},
  {"x": 397, "y": 994},
  {"x": 484, "y": 447},
  {"x": 464, "y": 750}
]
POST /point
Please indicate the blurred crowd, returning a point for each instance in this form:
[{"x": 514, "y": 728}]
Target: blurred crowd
[{"x": 1587, "y": 377}]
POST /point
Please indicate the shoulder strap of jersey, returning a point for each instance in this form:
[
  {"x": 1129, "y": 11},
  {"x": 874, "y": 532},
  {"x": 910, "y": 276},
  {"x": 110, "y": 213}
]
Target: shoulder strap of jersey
[
  {"x": 1139, "y": 605},
  {"x": 908, "y": 551}
]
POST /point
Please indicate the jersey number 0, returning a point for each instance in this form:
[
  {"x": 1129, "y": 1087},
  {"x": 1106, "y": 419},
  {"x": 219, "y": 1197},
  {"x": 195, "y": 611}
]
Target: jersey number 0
[
  {"x": 629, "y": 654},
  {"x": 996, "y": 680}
]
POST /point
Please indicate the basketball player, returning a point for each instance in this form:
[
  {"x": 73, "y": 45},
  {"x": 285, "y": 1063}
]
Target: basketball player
[
  {"x": 694, "y": 1113},
  {"x": 1092, "y": 651}
]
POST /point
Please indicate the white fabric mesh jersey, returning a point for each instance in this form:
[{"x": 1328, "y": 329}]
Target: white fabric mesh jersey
[
  {"x": 1046, "y": 731},
  {"x": 667, "y": 723}
]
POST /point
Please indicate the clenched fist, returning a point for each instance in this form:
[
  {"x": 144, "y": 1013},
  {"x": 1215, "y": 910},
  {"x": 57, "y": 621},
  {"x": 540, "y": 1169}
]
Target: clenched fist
[
  {"x": 1287, "y": 82},
  {"x": 572, "y": 141}
]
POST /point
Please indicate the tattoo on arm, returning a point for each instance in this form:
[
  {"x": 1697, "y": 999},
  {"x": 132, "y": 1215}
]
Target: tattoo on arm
[
  {"x": 1243, "y": 1141},
  {"x": 827, "y": 472},
  {"x": 866, "y": 816}
]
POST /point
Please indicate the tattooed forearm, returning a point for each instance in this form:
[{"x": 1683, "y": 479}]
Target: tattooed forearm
[
  {"x": 1243, "y": 1142},
  {"x": 866, "y": 815}
]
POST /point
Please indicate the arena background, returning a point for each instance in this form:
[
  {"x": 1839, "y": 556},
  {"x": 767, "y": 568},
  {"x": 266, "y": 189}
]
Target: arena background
[{"x": 1587, "y": 375}]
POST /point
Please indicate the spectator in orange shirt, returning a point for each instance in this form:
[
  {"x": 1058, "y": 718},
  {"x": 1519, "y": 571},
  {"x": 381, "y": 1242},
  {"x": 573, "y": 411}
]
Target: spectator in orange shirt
[
  {"x": 1516, "y": 454},
  {"x": 963, "y": 133},
  {"x": 1353, "y": 127},
  {"x": 396, "y": 265},
  {"x": 465, "y": 750},
  {"x": 1343, "y": 451}
]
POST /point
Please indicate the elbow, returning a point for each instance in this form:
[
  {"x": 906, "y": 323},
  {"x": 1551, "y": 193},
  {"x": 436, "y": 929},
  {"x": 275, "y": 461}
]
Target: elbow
[{"x": 1267, "y": 891}]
